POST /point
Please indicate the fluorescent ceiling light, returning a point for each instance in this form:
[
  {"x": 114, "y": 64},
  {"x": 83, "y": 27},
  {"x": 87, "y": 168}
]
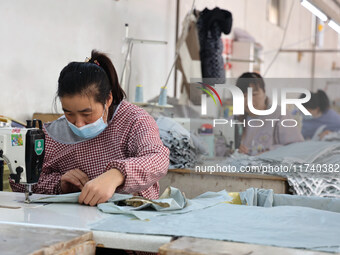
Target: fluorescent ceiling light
[
  {"x": 314, "y": 10},
  {"x": 334, "y": 25}
]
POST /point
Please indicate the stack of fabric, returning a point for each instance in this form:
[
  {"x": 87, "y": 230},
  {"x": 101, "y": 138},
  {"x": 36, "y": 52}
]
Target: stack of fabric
[
  {"x": 311, "y": 167},
  {"x": 184, "y": 147}
]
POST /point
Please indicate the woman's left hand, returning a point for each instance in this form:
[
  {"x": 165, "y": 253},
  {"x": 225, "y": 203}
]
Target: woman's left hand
[{"x": 102, "y": 188}]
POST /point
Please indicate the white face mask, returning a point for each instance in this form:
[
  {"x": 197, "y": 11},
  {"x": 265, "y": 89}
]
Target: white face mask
[{"x": 90, "y": 130}]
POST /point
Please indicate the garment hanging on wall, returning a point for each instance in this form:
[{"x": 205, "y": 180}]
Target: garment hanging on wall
[{"x": 210, "y": 24}]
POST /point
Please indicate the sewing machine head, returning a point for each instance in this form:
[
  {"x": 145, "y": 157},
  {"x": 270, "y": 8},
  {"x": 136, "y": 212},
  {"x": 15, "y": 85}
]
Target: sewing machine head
[
  {"x": 23, "y": 150},
  {"x": 231, "y": 135}
]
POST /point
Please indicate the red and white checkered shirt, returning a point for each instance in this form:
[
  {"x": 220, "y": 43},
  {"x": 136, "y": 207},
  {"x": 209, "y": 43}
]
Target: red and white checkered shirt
[{"x": 130, "y": 143}]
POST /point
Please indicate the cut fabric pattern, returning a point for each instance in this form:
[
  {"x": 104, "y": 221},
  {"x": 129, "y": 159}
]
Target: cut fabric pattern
[
  {"x": 267, "y": 198},
  {"x": 303, "y": 180},
  {"x": 172, "y": 201}
]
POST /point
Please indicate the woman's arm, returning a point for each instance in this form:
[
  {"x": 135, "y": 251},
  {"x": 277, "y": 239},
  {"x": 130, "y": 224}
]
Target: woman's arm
[
  {"x": 149, "y": 158},
  {"x": 147, "y": 162},
  {"x": 286, "y": 135}
]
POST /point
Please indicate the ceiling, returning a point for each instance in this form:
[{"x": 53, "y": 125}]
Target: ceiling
[{"x": 330, "y": 7}]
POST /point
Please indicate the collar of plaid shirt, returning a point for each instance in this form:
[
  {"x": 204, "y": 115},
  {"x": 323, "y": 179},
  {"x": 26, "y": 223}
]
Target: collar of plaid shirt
[{"x": 61, "y": 132}]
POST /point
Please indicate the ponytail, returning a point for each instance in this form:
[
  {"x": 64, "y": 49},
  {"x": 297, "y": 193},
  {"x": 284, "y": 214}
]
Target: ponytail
[
  {"x": 96, "y": 77},
  {"x": 104, "y": 62}
]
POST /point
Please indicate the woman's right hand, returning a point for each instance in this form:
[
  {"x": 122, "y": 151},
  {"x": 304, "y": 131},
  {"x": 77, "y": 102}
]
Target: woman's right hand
[
  {"x": 73, "y": 180},
  {"x": 243, "y": 149}
]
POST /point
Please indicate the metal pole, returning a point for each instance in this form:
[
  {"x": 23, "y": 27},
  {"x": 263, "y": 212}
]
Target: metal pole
[
  {"x": 176, "y": 39},
  {"x": 1, "y": 175}
]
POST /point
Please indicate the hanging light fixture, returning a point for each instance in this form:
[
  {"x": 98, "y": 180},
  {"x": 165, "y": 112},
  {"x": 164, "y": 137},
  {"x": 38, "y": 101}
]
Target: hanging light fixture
[
  {"x": 314, "y": 10},
  {"x": 334, "y": 25}
]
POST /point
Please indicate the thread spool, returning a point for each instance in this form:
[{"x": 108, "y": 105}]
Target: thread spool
[
  {"x": 139, "y": 94},
  {"x": 162, "y": 97}
]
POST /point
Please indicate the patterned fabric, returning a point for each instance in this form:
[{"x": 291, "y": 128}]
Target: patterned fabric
[
  {"x": 130, "y": 143},
  {"x": 210, "y": 24}
]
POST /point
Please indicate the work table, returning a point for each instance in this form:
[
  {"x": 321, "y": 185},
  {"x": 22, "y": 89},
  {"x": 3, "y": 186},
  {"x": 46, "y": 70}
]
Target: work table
[{"x": 70, "y": 217}]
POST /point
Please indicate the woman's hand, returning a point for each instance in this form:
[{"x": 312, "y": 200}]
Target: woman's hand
[
  {"x": 102, "y": 188},
  {"x": 73, "y": 181},
  {"x": 243, "y": 149}
]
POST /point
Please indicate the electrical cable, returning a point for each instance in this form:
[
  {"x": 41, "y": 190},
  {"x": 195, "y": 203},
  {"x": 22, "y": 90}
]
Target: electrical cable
[{"x": 282, "y": 41}]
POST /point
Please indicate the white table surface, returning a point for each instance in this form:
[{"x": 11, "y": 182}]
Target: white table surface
[{"x": 72, "y": 217}]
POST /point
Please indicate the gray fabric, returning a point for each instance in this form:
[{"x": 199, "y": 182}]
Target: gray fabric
[
  {"x": 321, "y": 203},
  {"x": 172, "y": 201},
  {"x": 257, "y": 197},
  {"x": 184, "y": 146},
  {"x": 73, "y": 198},
  {"x": 302, "y": 182},
  {"x": 303, "y": 152},
  {"x": 205, "y": 200},
  {"x": 267, "y": 198},
  {"x": 285, "y": 226}
]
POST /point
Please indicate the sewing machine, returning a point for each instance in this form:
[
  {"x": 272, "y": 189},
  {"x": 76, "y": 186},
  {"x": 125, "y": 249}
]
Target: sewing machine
[
  {"x": 23, "y": 150},
  {"x": 232, "y": 135}
]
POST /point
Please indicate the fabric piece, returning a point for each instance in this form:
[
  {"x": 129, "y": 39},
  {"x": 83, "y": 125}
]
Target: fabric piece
[
  {"x": 305, "y": 152},
  {"x": 284, "y": 226},
  {"x": 330, "y": 119},
  {"x": 130, "y": 143},
  {"x": 304, "y": 181},
  {"x": 257, "y": 197},
  {"x": 172, "y": 201},
  {"x": 202, "y": 201},
  {"x": 210, "y": 25},
  {"x": 321, "y": 203},
  {"x": 73, "y": 198},
  {"x": 267, "y": 198}
]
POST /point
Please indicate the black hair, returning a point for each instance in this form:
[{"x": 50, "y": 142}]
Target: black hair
[
  {"x": 246, "y": 79},
  {"x": 318, "y": 100},
  {"x": 97, "y": 77}
]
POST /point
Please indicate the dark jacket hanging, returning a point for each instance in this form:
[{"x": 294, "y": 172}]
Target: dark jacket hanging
[{"x": 210, "y": 24}]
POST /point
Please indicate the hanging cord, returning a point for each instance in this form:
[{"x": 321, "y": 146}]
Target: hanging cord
[
  {"x": 129, "y": 48},
  {"x": 130, "y": 68},
  {"x": 176, "y": 56},
  {"x": 282, "y": 41}
]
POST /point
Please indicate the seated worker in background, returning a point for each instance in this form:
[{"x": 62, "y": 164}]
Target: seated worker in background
[
  {"x": 271, "y": 135},
  {"x": 319, "y": 107},
  {"x": 102, "y": 144}
]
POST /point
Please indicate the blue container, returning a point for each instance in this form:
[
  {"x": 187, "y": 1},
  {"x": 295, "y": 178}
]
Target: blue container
[
  {"x": 162, "y": 97},
  {"x": 139, "y": 94}
]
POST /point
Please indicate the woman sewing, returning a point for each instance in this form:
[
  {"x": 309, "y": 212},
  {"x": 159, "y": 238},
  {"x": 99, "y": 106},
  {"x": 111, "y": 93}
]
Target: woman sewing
[
  {"x": 272, "y": 134},
  {"x": 102, "y": 144},
  {"x": 322, "y": 115}
]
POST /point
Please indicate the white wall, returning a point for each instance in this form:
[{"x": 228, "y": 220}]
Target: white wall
[
  {"x": 39, "y": 37},
  {"x": 250, "y": 15}
]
